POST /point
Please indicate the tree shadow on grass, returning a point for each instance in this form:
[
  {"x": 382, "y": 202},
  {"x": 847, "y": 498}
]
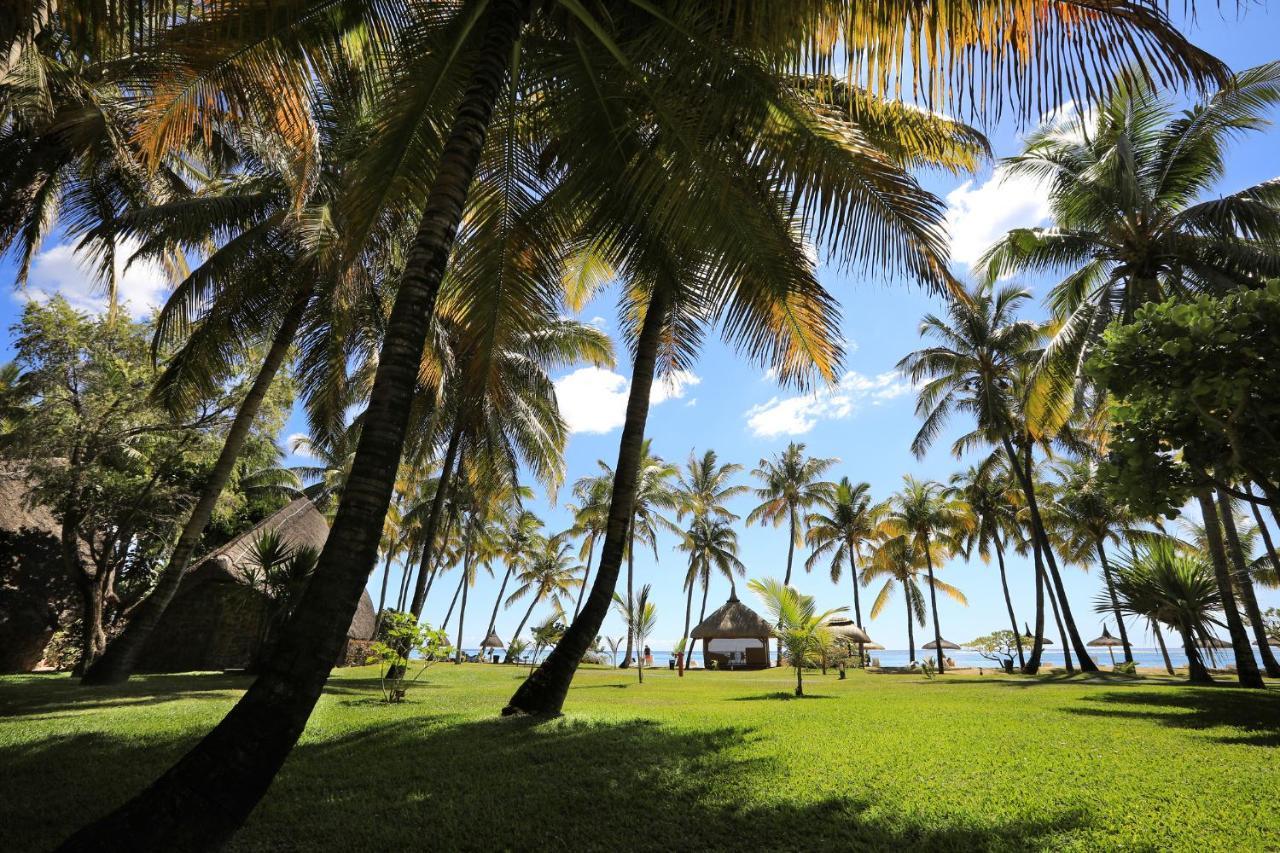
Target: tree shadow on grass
[
  {"x": 499, "y": 784},
  {"x": 1200, "y": 709},
  {"x": 59, "y": 694},
  {"x": 778, "y": 695},
  {"x": 1058, "y": 678}
]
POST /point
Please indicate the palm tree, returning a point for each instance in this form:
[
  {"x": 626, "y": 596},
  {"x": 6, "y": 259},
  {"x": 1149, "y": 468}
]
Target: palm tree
[
  {"x": 590, "y": 517},
  {"x": 517, "y": 540},
  {"x": 1124, "y": 182},
  {"x": 549, "y": 575},
  {"x": 1240, "y": 560},
  {"x": 711, "y": 543},
  {"x": 641, "y": 618},
  {"x": 845, "y": 521},
  {"x": 896, "y": 559},
  {"x": 800, "y": 630},
  {"x": 936, "y": 522},
  {"x": 981, "y": 367},
  {"x": 790, "y": 486},
  {"x": 985, "y": 490},
  {"x": 1083, "y": 519},
  {"x": 468, "y": 67},
  {"x": 1164, "y": 584},
  {"x": 704, "y": 488}
]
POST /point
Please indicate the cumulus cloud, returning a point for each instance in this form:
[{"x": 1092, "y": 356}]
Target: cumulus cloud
[
  {"x": 979, "y": 214},
  {"x": 60, "y": 270},
  {"x": 796, "y": 415},
  {"x": 594, "y": 400},
  {"x": 296, "y": 445}
]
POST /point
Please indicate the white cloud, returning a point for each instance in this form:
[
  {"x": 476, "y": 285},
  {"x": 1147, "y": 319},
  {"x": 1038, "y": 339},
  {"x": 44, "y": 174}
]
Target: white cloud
[
  {"x": 62, "y": 271},
  {"x": 798, "y": 414},
  {"x": 693, "y": 401},
  {"x": 594, "y": 400},
  {"x": 291, "y": 445},
  {"x": 979, "y": 215},
  {"x": 597, "y": 321}
]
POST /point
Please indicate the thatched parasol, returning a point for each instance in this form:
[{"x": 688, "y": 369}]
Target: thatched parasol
[
  {"x": 1030, "y": 638},
  {"x": 493, "y": 641},
  {"x": 946, "y": 644},
  {"x": 1106, "y": 640},
  {"x": 844, "y": 629}
]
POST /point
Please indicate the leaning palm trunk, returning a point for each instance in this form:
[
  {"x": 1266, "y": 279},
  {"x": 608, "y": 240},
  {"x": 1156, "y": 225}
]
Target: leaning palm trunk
[
  {"x": 591, "y": 552},
  {"x": 234, "y": 764},
  {"x": 688, "y": 614},
  {"x": 911, "y": 634},
  {"x": 532, "y": 604},
  {"x": 1057, "y": 590},
  {"x": 117, "y": 662},
  {"x": 545, "y": 689},
  {"x": 432, "y": 526},
  {"x": 1115, "y": 603},
  {"x": 453, "y": 602},
  {"x": 1246, "y": 666},
  {"x": 382, "y": 596},
  {"x": 1262, "y": 528},
  {"x": 1164, "y": 652},
  {"x": 466, "y": 587},
  {"x": 1244, "y": 584},
  {"x": 493, "y": 617},
  {"x": 1196, "y": 671},
  {"x": 702, "y": 615},
  {"x": 631, "y": 554},
  {"x": 933, "y": 606},
  {"x": 1037, "y": 641},
  {"x": 791, "y": 552},
  {"x": 1008, "y": 603},
  {"x": 1066, "y": 650}
]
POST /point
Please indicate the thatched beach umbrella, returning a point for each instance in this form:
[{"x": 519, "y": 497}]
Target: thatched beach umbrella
[
  {"x": 946, "y": 644},
  {"x": 1106, "y": 640},
  {"x": 1030, "y": 638},
  {"x": 493, "y": 641},
  {"x": 845, "y": 630}
]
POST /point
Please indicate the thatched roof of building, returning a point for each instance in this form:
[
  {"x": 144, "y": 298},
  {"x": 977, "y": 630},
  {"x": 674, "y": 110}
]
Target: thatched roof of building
[
  {"x": 843, "y": 628},
  {"x": 300, "y": 524},
  {"x": 16, "y": 513},
  {"x": 732, "y": 620}
]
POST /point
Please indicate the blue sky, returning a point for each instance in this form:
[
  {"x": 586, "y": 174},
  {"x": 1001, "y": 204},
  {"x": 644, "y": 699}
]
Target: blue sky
[{"x": 730, "y": 405}]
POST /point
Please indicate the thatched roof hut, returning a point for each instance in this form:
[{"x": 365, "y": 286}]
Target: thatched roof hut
[
  {"x": 846, "y": 630},
  {"x": 734, "y": 636},
  {"x": 216, "y": 619},
  {"x": 36, "y": 595}
]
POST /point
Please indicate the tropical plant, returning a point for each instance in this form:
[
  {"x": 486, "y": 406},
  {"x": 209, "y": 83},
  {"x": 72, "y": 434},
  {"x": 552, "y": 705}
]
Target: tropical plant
[
  {"x": 1125, "y": 181},
  {"x": 590, "y": 516},
  {"x": 545, "y": 636},
  {"x": 406, "y": 641},
  {"x": 790, "y": 485},
  {"x": 640, "y": 615},
  {"x": 936, "y": 522},
  {"x": 846, "y": 520},
  {"x": 801, "y": 630},
  {"x": 518, "y": 537},
  {"x": 549, "y": 575},
  {"x": 999, "y": 646},
  {"x": 900, "y": 560},
  {"x": 711, "y": 543},
  {"x": 1178, "y": 589},
  {"x": 981, "y": 367}
]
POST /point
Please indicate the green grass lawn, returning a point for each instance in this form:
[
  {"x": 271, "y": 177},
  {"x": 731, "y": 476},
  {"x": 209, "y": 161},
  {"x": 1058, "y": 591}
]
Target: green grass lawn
[{"x": 714, "y": 761}]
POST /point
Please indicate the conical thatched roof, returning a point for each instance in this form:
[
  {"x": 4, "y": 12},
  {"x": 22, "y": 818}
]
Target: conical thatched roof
[
  {"x": 731, "y": 621},
  {"x": 493, "y": 641},
  {"x": 946, "y": 644},
  {"x": 1105, "y": 640},
  {"x": 842, "y": 628}
]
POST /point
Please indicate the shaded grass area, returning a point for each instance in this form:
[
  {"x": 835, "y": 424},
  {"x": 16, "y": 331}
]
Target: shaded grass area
[{"x": 720, "y": 761}]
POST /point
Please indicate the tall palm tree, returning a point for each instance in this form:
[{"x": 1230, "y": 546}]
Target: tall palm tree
[
  {"x": 469, "y": 66},
  {"x": 980, "y": 366},
  {"x": 985, "y": 491},
  {"x": 640, "y": 615},
  {"x": 1163, "y": 584},
  {"x": 1083, "y": 519},
  {"x": 801, "y": 630},
  {"x": 550, "y": 575},
  {"x": 704, "y": 488},
  {"x": 895, "y": 559},
  {"x": 845, "y": 521},
  {"x": 936, "y": 522},
  {"x": 1126, "y": 183},
  {"x": 1240, "y": 561},
  {"x": 790, "y": 484},
  {"x": 590, "y": 518},
  {"x": 711, "y": 543},
  {"x": 517, "y": 542}
]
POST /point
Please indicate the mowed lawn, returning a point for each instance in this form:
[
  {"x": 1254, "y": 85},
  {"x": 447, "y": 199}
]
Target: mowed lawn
[{"x": 720, "y": 761}]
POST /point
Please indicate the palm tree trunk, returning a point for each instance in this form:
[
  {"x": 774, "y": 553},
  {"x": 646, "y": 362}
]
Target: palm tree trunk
[
  {"x": 432, "y": 525},
  {"x": 791, "y": 551},
  {"x": 235, "y": 763},
  {"x": 532, "y": 604},
  {"x": 911, "y": 634},
  {"x": 1115, "y": 603},
  {"x": 1244, "y": 585},
  {"x": 493, "y": 617},
  {"x": 933, "y": 605},
  {"x": 544, "y": 691},
  {"x": 1037, "y": 641},
  {"x": 466, "y": 587},
  {"x": 117, "y": 663},
  {"x": 857, "y": 604},
  {"x": 591, "y": 552},
  {"x": 1246, "y": 666},
  {"x": 631, "y": 550},
  {"x": 453, "y": 602},
  {"x": 382, "y": 596},
  {"x": 702, "y": 615},
  {"x": 1008, "y": 603},
  {"x": 1057, "y": 590},
  {"x": 1196, "y": 671},
  {"x": 1264, "y": 530},
  {"x": 800, "y": 681},
  {"x": 1057, "y": 618},
  {"x": 1164, "y": 653},
  {"x": 688, "y": 614}
]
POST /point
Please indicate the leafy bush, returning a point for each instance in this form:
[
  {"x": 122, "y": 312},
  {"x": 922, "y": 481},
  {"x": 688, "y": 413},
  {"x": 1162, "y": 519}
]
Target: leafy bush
[{"x": 404, "y": 638}]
